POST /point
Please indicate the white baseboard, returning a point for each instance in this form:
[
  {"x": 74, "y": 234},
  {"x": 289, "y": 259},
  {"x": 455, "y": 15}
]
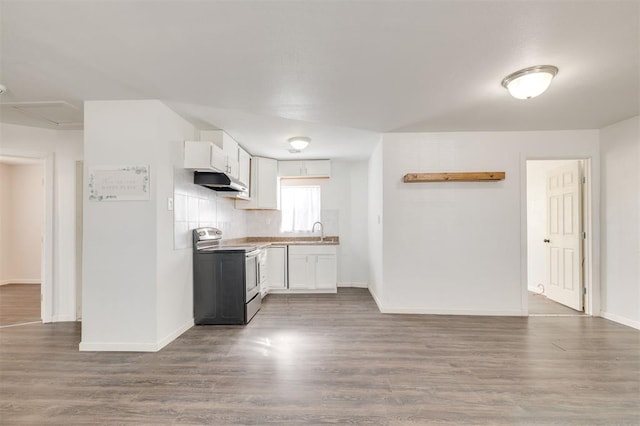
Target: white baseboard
[
  {"x": 354, "y": 285},
  {"x": 376, "y": 299},
  {"x": 175, "y": 334},
  {"x": 20, "y": 281},
  {"x": 135, "y": 346},
  {"x": 63, "y": 318},
  {"x": 621, "y": 320},
  {"x": 430, "y": 311},
  {"x": 301, "y": 291},
  {"x": 118, "y": 347}
]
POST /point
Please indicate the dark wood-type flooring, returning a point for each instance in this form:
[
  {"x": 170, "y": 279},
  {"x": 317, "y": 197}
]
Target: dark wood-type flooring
[
  {"x": 19, "y": 303},
  {"x": 332, "y": 359}
]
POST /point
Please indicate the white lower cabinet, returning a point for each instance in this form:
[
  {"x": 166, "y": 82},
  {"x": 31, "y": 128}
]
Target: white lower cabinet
[
  {"x": 326, "y": 277},
  {"x": 277, "y": 268},
  {"x": 312, "y": 268},
  {"x": 301, "y": 276}
]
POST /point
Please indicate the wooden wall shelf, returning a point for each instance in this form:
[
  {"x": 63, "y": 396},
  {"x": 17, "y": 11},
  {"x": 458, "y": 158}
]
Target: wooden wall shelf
[{"x": 454, "y": 177}]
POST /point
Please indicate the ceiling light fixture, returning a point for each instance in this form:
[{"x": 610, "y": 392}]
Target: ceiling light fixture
[
  {"x": 529, "y": 82},
  {"x": 299, "y": 142}
]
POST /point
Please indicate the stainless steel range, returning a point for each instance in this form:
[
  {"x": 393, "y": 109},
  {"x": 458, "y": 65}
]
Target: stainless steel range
[{"x": 226, "y": 279}]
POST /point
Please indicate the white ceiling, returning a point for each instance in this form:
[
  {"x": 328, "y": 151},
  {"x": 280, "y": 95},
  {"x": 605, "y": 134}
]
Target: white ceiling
[{"x": 339, "y": 72}]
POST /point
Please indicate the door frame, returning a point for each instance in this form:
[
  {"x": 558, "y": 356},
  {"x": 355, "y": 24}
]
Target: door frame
[
  {"x": 79, "y": 194},
  {"x": 46, "y": 273},
  {"x": 591, "y": 225}
]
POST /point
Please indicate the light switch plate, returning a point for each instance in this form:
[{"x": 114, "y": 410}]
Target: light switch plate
[{"x": 170, "y": 203}]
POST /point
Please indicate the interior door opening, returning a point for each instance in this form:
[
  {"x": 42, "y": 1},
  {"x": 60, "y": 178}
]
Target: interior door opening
[
  {"x": 22, "y": 237},
  {"x": 558, "y": 256}
]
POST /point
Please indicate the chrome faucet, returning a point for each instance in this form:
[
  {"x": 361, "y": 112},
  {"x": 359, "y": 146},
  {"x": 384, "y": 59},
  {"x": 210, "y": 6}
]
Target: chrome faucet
[{"x": 313, "y": 229}]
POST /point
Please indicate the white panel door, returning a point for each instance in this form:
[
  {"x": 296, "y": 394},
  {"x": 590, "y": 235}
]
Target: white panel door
[{"x": 564, "y": 235}]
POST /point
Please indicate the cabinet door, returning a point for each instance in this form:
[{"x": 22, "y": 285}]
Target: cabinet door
[
  {"x": 290, "y": 168},
  {"x": 317, "y": 168},
  {"x": 230, "y": 148},
  {"x": 244, "y": 167},
  {"x": 263, "y": 189},
  {"x": 276, "y": 267},
  {"x": 301, "y": 272},
  {"x": 326, "y": 276},
  {"x": 201, "y": 155},
  {"x": 267, "y": 183},
  {"x": 252, "y": 202},
  {"x": 218, "y": 159}
]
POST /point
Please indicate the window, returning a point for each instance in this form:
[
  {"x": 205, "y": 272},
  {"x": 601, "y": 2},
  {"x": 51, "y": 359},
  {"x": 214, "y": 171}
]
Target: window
[{"x": 300, "y": 207}]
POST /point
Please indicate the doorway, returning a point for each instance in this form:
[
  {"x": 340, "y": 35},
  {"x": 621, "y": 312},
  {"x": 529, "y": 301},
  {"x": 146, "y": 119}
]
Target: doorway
[
  {"x": 22, "y": 224},
  {"x": 558, "y": 211}
]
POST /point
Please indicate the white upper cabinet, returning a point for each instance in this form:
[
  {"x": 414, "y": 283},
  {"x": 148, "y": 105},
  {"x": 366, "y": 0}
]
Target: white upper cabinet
[
  {"x": 305, "y": 168},
  {"x": 317, "y": 168},
  {"x": 263, "y": 188},
  {"x": 229, "y": 148},
  {"x": 244, "y": 167},
  {"x": 204, "y": 156}
]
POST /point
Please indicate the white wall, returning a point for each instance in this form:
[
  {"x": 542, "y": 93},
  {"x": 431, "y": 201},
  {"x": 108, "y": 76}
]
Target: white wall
[
  {"x": 344, "y": 205},
  {"x": 175, "y": 267},
  {"x": 136, "y": 287},
  {"x": 6, "y": 220},
  {"x": 620, "y": 151},
  {"x": 21, "y": 226},
  {"x": 460, "y": 247},
  {"x": 355, "y": 250},
  {"x": 66, "y": 148},
  {"x": 375, "y": 224},
  {"x": 537, "y": 221}
]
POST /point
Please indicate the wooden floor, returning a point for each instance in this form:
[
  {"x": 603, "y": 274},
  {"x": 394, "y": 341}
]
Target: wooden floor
[
  {"x": 19, "y": 303},
  {"x": 539, "y": 304},
  {"x": 332, "y": 359}
]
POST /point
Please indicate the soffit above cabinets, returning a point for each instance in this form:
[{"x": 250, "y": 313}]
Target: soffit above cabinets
[{"x": 52, "y": 114}]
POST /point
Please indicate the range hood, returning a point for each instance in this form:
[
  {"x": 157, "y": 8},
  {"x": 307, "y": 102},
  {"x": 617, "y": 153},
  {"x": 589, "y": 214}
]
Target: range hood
[{"x": 222, "y": 183}]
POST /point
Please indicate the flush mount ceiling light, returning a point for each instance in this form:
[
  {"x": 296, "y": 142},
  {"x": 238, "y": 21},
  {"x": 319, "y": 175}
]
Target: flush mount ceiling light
[
  {"x": 529, "y": 82},
  {"x": 299, "y": 143}
]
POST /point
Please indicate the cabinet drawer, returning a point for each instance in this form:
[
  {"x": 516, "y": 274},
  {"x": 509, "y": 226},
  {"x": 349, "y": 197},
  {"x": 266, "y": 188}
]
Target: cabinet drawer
[{"x": 312, "y": 249}]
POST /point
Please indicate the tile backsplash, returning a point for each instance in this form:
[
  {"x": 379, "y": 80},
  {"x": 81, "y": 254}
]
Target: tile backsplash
[
  {"x": 266, "y": 223},
  {"x": 195, "y": 206}
]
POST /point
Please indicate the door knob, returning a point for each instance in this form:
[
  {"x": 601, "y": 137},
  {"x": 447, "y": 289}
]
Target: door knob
[{"x": 546, "y": 241}]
